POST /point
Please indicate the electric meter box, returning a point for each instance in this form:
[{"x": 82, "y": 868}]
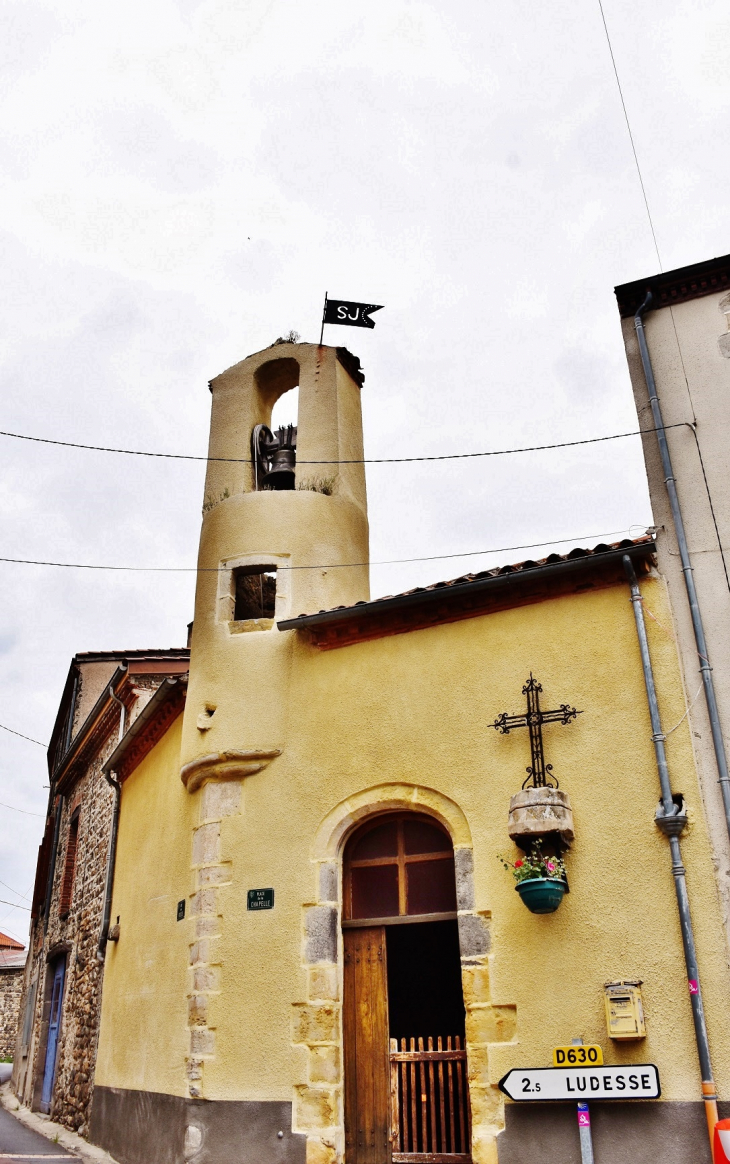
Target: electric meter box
[{"x": 624, "y": 1010}]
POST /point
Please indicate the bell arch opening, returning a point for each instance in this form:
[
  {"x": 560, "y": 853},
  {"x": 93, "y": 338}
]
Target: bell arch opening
[
  {"x": 274, "y": 442},
  {"x": 406, "y": 1092}
]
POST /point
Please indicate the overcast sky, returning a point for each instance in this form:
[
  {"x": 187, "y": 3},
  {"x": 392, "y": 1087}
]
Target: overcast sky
[{"x": 183, "y": 181}]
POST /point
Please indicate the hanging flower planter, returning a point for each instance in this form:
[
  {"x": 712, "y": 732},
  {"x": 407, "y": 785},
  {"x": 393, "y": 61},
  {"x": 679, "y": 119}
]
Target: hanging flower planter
[
  {"x": 541, "y": 880},
  {"x": 541, "y": 894}
]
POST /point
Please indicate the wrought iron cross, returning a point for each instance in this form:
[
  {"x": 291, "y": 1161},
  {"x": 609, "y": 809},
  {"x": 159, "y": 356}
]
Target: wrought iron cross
[{"x": 539, "y": 773}]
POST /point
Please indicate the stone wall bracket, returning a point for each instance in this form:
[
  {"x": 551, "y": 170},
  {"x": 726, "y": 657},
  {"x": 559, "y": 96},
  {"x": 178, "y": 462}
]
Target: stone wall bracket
[
  {"x": 226, "y": 766},
  {"x": 537, "y": 814}
]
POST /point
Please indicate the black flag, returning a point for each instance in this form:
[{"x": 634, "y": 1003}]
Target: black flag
[{"x": 349, "y": 314}]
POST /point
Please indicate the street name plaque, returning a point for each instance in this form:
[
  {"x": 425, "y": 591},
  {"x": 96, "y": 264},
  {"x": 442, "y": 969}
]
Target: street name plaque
[{"x": 260, "y": 899}]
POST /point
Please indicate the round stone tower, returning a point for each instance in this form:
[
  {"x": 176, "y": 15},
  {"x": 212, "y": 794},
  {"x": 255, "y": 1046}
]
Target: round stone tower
[{"x": 285, "y": 532}]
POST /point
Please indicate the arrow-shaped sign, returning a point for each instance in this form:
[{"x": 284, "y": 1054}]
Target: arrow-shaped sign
[{"x": 635, "y": 1081}]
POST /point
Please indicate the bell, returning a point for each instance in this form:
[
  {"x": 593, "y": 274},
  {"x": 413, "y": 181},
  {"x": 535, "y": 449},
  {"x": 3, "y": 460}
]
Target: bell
[{"x": 283, "y": 459}]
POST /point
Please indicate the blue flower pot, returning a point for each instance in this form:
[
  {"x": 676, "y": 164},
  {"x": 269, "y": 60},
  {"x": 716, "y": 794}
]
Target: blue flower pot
[{"x": 541, "y": 894}]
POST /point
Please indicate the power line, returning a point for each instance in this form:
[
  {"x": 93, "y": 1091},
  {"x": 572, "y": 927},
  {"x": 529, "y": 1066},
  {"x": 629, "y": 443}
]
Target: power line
[
  {"x": 355, "y": 461},
  {"x": 23, "y": 810},
  {"x": 25, "y": 907},
  {"x": 631, "y": 136},
  {"x": 321, "y": 566},
  {"x": 20, "y": 895},
  {"x": 29, "y": 738}
]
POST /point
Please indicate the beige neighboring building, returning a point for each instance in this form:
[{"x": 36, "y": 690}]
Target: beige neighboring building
[{"x": 687, "y": 329}]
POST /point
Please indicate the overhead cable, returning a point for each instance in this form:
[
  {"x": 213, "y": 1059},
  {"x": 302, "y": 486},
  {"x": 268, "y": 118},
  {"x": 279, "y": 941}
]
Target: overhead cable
[
  {"x": 320, "y": 566},
  {"x": 631, "y": 136},
  {"x": 354, "y": 461},
  {"x": 23, "y": 810},
  {"x": 28, "y": 738}
]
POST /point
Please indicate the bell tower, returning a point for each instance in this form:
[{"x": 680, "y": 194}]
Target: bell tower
[{"x": 285, "y": 532}]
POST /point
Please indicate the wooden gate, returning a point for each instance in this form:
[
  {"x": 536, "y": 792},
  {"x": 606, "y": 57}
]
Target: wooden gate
[{"x": 429, "y": 1103}]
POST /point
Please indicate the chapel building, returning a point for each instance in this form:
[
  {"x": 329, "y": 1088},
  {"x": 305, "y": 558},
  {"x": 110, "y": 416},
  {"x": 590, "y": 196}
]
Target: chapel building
[{"x": 318, "y": 954}]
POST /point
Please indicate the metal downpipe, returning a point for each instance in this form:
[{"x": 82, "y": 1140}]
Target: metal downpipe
[
  {"x": 104, "y": 935},
  {"x": 672, "y": 821},
  {"x": 705, "y": 669}
]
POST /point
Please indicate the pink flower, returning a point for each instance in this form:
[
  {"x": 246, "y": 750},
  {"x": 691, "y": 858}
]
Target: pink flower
[{"x": 550, "y": 866}]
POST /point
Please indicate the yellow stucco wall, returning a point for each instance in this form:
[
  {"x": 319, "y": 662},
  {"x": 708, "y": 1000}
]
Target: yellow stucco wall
[
  {"x": 415, "y": 710},
  {"x": 143, "y": 1038}
]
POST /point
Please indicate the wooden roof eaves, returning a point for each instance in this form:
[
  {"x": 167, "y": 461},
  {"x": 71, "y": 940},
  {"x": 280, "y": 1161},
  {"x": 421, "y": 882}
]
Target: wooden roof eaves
[
  {"x": 431, "y": 607},
  {"x": 149, "y": 727}
]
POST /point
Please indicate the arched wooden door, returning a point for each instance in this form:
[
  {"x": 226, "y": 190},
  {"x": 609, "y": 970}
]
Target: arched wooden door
[{"x": 406, "y": 1096}]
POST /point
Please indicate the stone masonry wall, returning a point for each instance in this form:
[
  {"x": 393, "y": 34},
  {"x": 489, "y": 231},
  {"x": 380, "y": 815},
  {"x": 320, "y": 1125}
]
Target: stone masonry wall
[
  {"x": 76, "y": 935},
  {"x": 11, "y": 989}
]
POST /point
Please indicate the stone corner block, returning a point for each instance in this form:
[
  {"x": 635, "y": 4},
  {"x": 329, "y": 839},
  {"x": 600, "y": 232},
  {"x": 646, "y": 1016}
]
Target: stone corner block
[
  {"x": 314, "y": 1107},
  {"x": 320, "y": 1151},
  {"x": 328, "y": 882},
  {"x": 491, "y": 1024},
  {"x": 315, "y": 1023},
  {"x": 320, "y": 925},
  {"x": 322, "y": 983},
  {"x": 464, "y": 867},
  {"x": 474, "y": 936}
]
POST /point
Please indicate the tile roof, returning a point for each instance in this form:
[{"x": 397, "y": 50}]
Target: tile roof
[
  {"x": 496, "y": 571},
  {"x": 485, "y": 592},
  {"x": 7, "y": 943}
]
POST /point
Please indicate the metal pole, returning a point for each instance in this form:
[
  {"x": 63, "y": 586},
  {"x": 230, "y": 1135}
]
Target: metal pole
[
  {"x": 694, "y": 606},
  {"x": 671, "y": 821},
  {"x": 584, "y": 1126},
  {"x": 324, "y": 312}
]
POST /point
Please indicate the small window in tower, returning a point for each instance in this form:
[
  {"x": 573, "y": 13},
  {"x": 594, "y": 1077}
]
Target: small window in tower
[{"x": 255, "y": 593}]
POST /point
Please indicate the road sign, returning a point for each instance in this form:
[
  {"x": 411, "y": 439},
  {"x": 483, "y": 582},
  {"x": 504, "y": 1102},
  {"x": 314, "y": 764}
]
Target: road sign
[
  {"x": 582, "y": 1055},
  {"x": 528, "y": 1084}
]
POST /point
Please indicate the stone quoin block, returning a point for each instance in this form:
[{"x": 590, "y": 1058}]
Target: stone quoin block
[
  {"x": 220, "y": 799},
  {"x": 215, "y": 875},
  {"x": 323, "y": 985},
  {"x": 314, "y": 1108},
  {"x": 475, "y": 984},
  {"x": 328, "y": 882},
  {"x": 491, "y": 1024},
  {"x": 202, "y": 1041},
  {"x": 206, "y": 978},
  {"x": 464, "y": 869},
  {"x": 315, "y": 1024},
  {"x": 206, "y": 844},
  {"x": 320, "y": 1152},
  {"x": 320, "y": 924},
  {"x": 474, "y": 938},
  {"x": 324, "y": 1064}
]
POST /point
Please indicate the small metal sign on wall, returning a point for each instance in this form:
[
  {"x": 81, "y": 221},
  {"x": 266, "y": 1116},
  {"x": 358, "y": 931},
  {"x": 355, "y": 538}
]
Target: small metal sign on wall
[{"x": 260, "y": 899}]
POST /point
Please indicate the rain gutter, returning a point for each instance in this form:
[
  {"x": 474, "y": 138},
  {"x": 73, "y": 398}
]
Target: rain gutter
[
  {"x": 671, "y": 818},
  {"x": 705, "y": 669}
]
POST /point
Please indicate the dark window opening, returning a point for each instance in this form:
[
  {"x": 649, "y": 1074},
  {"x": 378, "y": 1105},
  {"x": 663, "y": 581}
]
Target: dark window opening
[
  {"x": 399, "y": 866},
  {"x": 255, "y": 593},
  {"x": 425, "y": 997},
  {"x": 69, "y": 868}
]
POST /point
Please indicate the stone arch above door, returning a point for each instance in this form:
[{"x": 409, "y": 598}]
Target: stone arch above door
[
  {"x": 338, "y": 824},
  {"x": 316, "y": 1018}
]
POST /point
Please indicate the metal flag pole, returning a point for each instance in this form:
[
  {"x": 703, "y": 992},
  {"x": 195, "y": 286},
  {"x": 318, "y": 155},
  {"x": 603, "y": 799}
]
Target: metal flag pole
[
  {"x": 324, "y": 312},
  {"x": 584, "y": 1126}
]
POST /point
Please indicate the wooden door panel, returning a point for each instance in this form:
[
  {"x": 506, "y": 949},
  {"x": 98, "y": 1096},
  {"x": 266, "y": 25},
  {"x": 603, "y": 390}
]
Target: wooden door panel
[{"x": 365, "y": 1029}]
